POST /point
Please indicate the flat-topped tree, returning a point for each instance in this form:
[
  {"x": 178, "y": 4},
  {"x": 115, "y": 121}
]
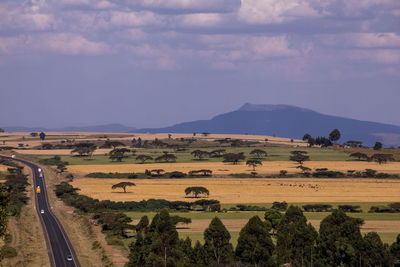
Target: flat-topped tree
[
  {"x": 196, "y": 191},
  {"x": 253, "y": 163},
  {"x": 167, "y": 157},
  {"x": 200, "y": 154},
  {"x": 382, "y": 158},
  {"x": 359, "y": 155},
  {"x": 157, "y": 171},
  {"x": 122, "y": 185},
  {"x": 144, "y": 158},
  {"x": 234, "y": 157},
  {"x": 118, "y": 153},
  {"x": 299, "y": 156},
  {"x": 259, "y": 153}
]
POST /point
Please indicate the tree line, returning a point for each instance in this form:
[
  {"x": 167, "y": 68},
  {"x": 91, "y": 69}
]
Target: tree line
[{"x": 338, "y": 242}]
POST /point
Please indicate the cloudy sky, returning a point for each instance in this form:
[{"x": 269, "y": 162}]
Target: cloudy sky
[{"x": 149, "y": 63}]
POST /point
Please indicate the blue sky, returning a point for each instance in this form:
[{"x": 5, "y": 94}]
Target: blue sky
[{"x": 152, "y": 63}]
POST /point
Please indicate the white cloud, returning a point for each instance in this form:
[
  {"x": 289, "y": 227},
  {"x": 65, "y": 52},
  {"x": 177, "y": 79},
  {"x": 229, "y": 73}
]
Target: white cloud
[
  {"x": 198, "y": 5},
  {"x": 274, "y": 11},
  {"x": 201, "y": 19}
]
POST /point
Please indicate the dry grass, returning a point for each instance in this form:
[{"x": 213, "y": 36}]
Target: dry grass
[
  {"x": 3, "y": 168},
  {"x": 220, "y": 168},
  {"x": 234, "y": 190},
  {"x": 60, "y": 152},
  {"x": 13, "y": 139}
]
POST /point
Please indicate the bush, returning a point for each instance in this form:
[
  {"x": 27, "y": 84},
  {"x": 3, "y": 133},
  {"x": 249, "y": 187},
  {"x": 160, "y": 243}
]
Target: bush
[
  {"x": 8, "y": 252},
  {"x": 281, "y": 206},
  {"x": 350, "y": 208},
  {"x": 111, "y": 175},
  {"x": 317, "y": 207},
  {"x": 56, "y": 160},
  {"x": 176, "y": 174},
  {"x": 325, "y": 173},
  {"x": 243, "y": 207}
]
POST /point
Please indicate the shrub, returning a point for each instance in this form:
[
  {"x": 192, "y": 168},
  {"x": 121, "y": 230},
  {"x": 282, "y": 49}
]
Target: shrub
[
  {"x": 281, "y": 206},
  {"x": 350, "y": 208},
  {"x": 176, "y": 174},
  {"x": 317, "y": 207},
  {"x": 8, "y": 252}
]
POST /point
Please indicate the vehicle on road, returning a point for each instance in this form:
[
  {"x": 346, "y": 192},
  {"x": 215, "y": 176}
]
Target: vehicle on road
[
  {"x": 39, "y": 170},
  {"x": 13, "y": 156},
  {"x": 41, "y": 175},
  {"x": 69, "y": 258},
  {"x": 38, "y": 190},
  {"x": 42, "y": 211}
]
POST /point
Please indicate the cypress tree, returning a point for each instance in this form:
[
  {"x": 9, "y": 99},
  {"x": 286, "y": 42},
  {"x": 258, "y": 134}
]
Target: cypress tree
[
  {"x": 216, "y": 243},
  {"x": 374, "y": 252},
  {"x": 255, "y": 244}
]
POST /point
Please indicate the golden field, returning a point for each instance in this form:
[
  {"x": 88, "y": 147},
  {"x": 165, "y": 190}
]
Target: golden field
[
  {"x": 3, "y": 168},
  {"x": 220, "y": 168},
  {"x": 251, "y": 190},
  {"x": 15, "y": 138}
]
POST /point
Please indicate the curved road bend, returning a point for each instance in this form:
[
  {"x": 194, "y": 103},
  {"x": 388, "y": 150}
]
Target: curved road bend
[{"x": 58, "y": 244}]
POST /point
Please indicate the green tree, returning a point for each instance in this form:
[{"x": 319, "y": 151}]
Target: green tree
[
  {"x": 61, "y": 168},
  {"x": 295, "y": 239},
  {"x": 334, "y": 135},
  {"x": 340, "y": 241},
  {"x": 4, "y": 203},
  {"x": 196, "y": 191},
  {"x": 122, "y": 185},
  {"x": 235, "y": 158},
  {"x": 272, "y": 218},
  {"x": 378, "y": 146},
  {"x": 143, "y": 224},
  {"x": 259, "y": 153},
  {"x": 359, "y": 155},
  {"x": 143, "y": 158},
  {"x": 216, "y": 243},
  {"x": 167, "y": 157},
  {"x": 42, "y": 136},
  {"x": 299, "y": 156},
  {"x": 382, "y": 158},
  {"x": 200, "y": 154},
  {"x": 118, "y": 154},
  {"x": 255, "y": 244},
  {"x": 374, "y": 252},
  {"x": 395, "y": 249},
  {"x": 253, "y": 163}
]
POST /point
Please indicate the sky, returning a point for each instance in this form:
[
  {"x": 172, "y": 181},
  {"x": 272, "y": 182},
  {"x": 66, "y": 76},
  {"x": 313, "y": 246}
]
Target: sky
[{"x": 153, "y": 63}]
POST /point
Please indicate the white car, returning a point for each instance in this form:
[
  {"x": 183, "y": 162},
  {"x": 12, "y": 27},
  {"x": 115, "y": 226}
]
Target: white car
[
  {"x": 39, "y": 169},
  {"x": 41, "y": 175},
  {"x": 13, "y": 156},
  {"x": 42, "y": 211}
]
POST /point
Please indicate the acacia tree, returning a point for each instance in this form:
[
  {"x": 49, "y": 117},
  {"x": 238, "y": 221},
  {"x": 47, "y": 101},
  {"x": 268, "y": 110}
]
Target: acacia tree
[
  {"x": 158, "y": 172},
  {"x": 196, "y": 191},
  {"x": 167, "y": 157},
  {"x": 259, "y": 153},
  {"x": 253, "y": 163},
  {"x": 118, "y": 154},
  {"x": 234, "y": 157},
  {"x": 217, "y": 153},
  {"x": 359, "y": 155},
  {"x": 299, "y": 156},
  {"x": 143, "y": 158},
  {"x": 382, "y": 158},
  {"x": 200, "y": 154},
  {"x": 122, "y": 185}
]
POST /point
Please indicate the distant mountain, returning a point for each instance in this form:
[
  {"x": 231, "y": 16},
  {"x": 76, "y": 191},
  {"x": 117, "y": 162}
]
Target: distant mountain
[
  {"x": 287, "y": 121},
  {"x": 107, "y": 128}
]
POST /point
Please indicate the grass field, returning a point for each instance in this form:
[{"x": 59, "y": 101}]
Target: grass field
[
  {"x": 274, "y": 154},
  {"x": 251, "y": 190}
]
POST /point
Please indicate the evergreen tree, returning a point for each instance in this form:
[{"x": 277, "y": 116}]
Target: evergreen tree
[
  {"x": 216, "y": 243},
  {"x": 272, "y": 219},
  {"x": 295, "y": 238},
  {"x": 374, "y": 252},
  {"x": 340, "y": 241},
  {"x": 255, "y": 244},
  {"x": 395, "y": 249}
]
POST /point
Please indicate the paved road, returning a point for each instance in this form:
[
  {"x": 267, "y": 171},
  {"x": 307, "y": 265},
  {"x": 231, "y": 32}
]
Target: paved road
[{"x": 57, "y": 241}]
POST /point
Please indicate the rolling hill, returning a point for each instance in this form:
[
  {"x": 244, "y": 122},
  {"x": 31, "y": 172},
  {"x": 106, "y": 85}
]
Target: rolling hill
[{"x": 287, "y": 121}]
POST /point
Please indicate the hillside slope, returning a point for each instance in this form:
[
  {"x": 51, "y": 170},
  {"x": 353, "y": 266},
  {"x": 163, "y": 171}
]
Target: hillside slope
[{"x": 287, "y": 121}]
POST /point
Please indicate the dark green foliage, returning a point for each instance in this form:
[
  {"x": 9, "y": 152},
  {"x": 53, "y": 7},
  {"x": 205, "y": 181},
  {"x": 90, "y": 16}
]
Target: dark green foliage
[
  {"x": 317, "y": 207},
  {"x": 196, "y": 191},
  {"x": 255, "y": 244},
  {"x": 8, "y": 252},
  {"x": 378, "y": 145},
  {"x": 272, "y": 219},
  {"x": 382, "y": 158},
  {"x": 234, "y": 158},
  {"x": 359, "y": 155},
  {"x": 327, "y": 174},
  {"x": 200, "y": 154},
  {"x": 114, "y": 223},
  {"x": 176, "y": 174},
  {"x": 374, "y": 252},
  {"x": 16, "y": 183},
  {"x": 334, "y": 135},
  {"x": 243, "y": 207},
  {"x": 166, "y": 157},
  {"x": 280, "y": 206},
  {"x": 295, "y": 238},
  {"x": 395, "y": 249},
  {"x": 144, "y": 158},
  {"x": 340, "y": 241},
  {"x": 217, "y": 153},
  {"x": 350, "y": 208},
  {"x": 122, "y": 185},
  {"x": 143, "y": 224},
  {"x": 203, "y": 172},
  {"x": 323, "y": 141},
  {"x": 42, "y": 136},
  {"x": 56, "y": 160},
  {"x": 118, "y": 154},
  {"x": 217, "y": 248},
  {"x": 253, "y": 163},
  {"x": 299, "y": 156},
  {"x": 4, "y": 203},
  {"x": 111, "y": 175},
  {"x": 259, "y": 153}
]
